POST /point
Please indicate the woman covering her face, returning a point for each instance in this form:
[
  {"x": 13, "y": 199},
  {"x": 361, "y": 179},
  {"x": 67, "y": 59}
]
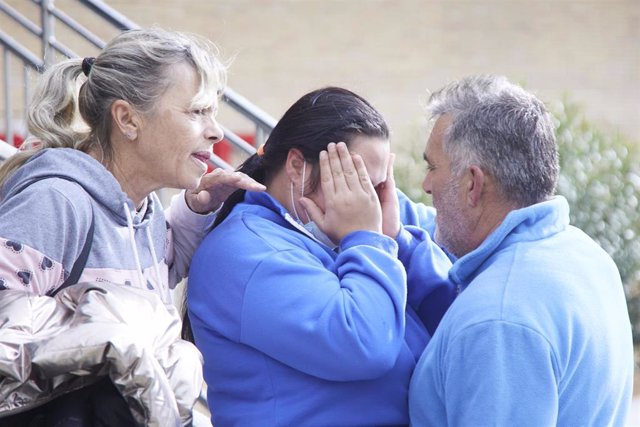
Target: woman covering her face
[{"x": 298, "y": 297}]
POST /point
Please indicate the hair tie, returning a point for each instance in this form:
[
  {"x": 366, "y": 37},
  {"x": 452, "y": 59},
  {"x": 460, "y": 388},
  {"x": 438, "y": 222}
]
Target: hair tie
[
  {"x": 260, "y": 151},
  {"x": 87, "y": 63}
]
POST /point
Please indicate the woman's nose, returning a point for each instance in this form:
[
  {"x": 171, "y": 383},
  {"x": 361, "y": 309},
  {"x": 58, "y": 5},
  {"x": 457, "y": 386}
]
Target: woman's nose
[{"x": 213, "y": 131}]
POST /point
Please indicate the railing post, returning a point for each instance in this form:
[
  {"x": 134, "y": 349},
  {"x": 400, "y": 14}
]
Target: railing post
[
  {"x": 8, "y": 113},
  {"x": 26, "y": 72},
  {"x": 51, "y": 48},
  {"x": 47, "y": 32}
]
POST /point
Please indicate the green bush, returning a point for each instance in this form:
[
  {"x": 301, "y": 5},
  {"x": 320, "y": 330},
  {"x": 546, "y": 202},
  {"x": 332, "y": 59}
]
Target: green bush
[
  {"x": 409, "y": 167},
  {"x": 599, "y": 176}
]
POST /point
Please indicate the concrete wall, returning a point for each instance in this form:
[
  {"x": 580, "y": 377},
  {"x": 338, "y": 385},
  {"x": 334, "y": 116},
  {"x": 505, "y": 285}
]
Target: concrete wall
[{"x": 394, "y": 52}]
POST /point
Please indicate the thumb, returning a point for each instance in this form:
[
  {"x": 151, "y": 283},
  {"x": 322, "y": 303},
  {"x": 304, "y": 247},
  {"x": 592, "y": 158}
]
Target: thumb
[
  {"x": 315, "y": 213},
  {"x": 390, "y": 177},
  {"x": 203, "y": 197}
]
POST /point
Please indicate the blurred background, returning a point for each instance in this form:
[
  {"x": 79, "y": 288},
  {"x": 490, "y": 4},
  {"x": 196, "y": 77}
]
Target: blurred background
[
  {"x": 582, "y": 57},
  {"x": 395, "y": 51}
]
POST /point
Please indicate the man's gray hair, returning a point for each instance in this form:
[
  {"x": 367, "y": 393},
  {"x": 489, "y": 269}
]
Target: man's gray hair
[{"x": 504, "y": 130}]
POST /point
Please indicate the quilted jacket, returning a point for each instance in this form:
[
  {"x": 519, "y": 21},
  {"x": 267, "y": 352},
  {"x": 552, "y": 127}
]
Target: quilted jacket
[{"x": 53, "y": 345}]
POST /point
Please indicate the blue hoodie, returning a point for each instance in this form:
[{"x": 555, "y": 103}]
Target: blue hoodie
[
  {"x": 294, "y": 333},
  {"x": 46, "y": 209},
  {"x": 539, "y": 336}
]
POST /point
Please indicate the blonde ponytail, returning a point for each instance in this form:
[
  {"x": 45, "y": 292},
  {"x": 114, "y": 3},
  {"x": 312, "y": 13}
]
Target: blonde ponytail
[
  {"x": 134, "y": 67},
  {"x": 52, "y": 116}
]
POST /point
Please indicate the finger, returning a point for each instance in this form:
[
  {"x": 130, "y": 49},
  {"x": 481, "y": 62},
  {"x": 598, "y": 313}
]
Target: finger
[
  {"x": 219, "y": 178},
  {"x": 212, "y": 178},
  {"x": 392, "y": 159},
  {"x": 313, "y": 211},
  {"x": 387, "y": 188},
  {"x": 348, "y": 168},
  {"x": 245, "y": 182},
  {"x": 203, "y": 198},
  {"x": 362, "y": 174},
  {"x": 389, "y": 203},
  {"x": 336, "y": 167},
  {"x": 326, "y": 177}
]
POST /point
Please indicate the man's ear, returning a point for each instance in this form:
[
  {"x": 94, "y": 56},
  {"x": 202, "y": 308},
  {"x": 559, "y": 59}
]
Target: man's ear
[
  {"x": 295, "y": 163},
  {"x": 125, "y": 119},
  {"x": 474, "y": 185}
]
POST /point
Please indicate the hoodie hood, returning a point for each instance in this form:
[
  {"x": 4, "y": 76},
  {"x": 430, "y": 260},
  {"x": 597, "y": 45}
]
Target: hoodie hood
[
  {"x": 131, "y": 246},
  {"x": 74, "y": 165}
]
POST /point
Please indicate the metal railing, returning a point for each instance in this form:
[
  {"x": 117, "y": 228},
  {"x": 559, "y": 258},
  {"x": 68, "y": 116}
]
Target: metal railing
[{"x": 51, "y": 46}]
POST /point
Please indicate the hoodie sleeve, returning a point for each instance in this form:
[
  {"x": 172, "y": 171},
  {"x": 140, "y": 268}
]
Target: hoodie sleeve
[
  {"x": 349, "y": 323},
  {"x": 430, "y": 291},
  {"x": 41, "y": 235},
  {"x": 343, "y": 323},
  {"x": 188, "y": 229},
  {"x": 417, "y": 214}
]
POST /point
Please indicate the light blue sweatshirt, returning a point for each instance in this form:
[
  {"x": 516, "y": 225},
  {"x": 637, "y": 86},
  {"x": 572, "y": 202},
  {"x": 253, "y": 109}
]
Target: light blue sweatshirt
[
  {"x": 296, "y": 334},
  {"x": 539, "y": 336}
]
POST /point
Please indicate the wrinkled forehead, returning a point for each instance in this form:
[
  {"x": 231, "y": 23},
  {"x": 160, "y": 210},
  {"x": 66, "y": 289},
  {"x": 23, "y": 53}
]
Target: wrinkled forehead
[{"x": 200, "y": 90}]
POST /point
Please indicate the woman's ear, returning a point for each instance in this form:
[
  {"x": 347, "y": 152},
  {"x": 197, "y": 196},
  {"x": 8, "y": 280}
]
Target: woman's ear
[
  {"x": 125, "y": 119},
  {"x": 294, "y": 165}
]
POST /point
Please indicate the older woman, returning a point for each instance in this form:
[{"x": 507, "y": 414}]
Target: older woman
[{"x": 80, "y": 206}]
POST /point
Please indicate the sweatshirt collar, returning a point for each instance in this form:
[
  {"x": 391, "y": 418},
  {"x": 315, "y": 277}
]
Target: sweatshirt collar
[{"x": 530, "y": 223}]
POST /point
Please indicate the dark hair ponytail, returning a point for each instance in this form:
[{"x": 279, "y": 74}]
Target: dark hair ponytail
[
  {"x": 330, "y": 114},
  {"x": 254, "y": 168}
]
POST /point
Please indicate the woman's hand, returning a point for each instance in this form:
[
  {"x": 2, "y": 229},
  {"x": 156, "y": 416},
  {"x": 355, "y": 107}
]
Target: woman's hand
[
  {"x": 216, "y": 186},
  {"x": 389, "y": 202},
  {"x": 351, "y": 202}
]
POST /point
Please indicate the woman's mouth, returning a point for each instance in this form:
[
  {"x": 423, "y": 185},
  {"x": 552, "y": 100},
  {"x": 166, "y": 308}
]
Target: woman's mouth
[{"x": 202, "y": 156}]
